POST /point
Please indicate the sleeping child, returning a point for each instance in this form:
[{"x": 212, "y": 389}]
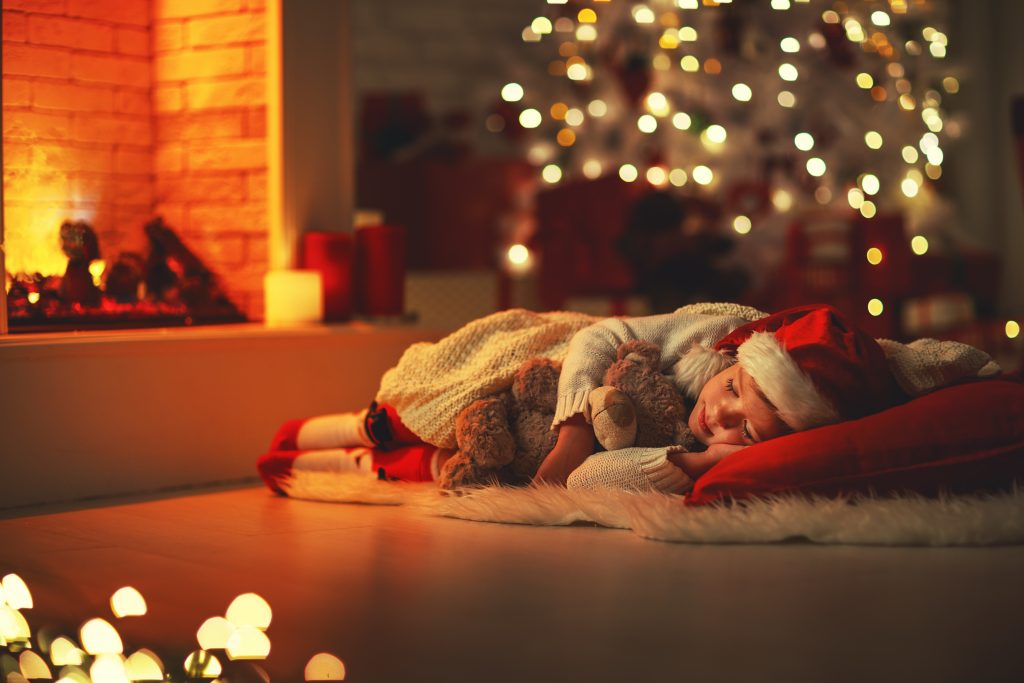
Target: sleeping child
[{"x": 748, "y": 377}]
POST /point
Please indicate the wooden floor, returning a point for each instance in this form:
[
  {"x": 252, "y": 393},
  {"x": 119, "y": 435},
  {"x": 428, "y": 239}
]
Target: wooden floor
[{"x": 403, "y": 597}]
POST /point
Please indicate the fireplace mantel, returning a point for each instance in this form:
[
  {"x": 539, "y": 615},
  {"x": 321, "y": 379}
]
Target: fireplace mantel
[{"x": 100, "y": 414}]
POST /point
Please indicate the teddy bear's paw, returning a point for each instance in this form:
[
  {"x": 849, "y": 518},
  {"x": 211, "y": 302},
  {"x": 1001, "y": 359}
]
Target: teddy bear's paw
[
  {"x": 613, "y": 417},
  {"x": 461, "y": 472}
]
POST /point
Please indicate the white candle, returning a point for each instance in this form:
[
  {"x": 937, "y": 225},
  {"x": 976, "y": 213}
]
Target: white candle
[{"x": 292, "y": 297}]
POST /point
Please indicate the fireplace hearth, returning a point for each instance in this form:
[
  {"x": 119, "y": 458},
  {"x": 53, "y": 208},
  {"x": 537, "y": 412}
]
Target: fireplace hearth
[{"x": 169, "y": 286}]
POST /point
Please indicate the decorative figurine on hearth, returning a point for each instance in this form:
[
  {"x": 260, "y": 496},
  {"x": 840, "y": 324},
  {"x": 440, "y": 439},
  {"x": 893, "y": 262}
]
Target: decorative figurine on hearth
[{"x": 78, "y": 242}]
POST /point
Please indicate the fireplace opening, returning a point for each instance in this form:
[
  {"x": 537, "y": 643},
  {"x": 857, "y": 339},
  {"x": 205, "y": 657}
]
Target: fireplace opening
[
  {"x": 117, "y": 113},
  {"x": 168, "y": 286}
]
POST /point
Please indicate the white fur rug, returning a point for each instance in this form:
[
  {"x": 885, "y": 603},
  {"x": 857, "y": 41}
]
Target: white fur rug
[{"x": 996, "y": 519}]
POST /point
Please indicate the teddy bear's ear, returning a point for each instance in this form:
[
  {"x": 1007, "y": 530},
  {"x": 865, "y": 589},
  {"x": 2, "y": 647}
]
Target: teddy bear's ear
[{"x": 697, "y": 366}]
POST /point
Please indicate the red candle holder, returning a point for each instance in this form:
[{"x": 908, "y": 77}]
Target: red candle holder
[
  {"x": 330, "y": 253},
  {"x": 380, "y": 270}
]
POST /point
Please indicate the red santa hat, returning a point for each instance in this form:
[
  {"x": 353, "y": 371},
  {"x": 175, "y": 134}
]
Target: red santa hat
[{"x": 810, "y": 362}]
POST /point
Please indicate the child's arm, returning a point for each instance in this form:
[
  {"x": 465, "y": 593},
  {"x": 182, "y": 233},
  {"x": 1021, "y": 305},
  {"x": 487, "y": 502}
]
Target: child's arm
[{"x": 575, "y": 443}]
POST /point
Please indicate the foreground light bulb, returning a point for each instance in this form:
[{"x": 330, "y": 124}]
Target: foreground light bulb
[
  {"x": 144, "y": 665},
  {"x": 127, "y": 602},
  {"x": 63, "y": 652},
  {"x": 98, "y": 637},
  {"x": 108, "y": 668},
  {"x": 33, "y": 666},
  {"x": 215, "y": 631},
  {"x": 16, "y": 593},
  {"x": 249, "y": 609},
  {"x": 248, "y": 642},
  {"x": 202, "y": 664},
  {"x": 324, "y": 667}
]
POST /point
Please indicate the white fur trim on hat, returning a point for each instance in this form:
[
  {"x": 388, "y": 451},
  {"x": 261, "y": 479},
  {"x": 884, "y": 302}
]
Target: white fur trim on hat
[
  {"x": 798, "y": 401},
  {"x": 697, "y": 366}
]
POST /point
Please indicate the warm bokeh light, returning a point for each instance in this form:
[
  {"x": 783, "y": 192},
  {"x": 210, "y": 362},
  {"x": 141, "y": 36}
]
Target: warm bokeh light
[
  {"x": 868, "y": 209},
  {"x": 875, "y": 307},
  {"x": 682, "y": 120},
  {"x": 586, "y": 16},
  {"x": 816, "y": 166},
  {"x": 786, "y": 99},
  {"x": 870, "y": 184},
  {"x": 689, "y": 64},
  {"x": 715, "y": 134},
  {"x": 874, "y": 256},
  {"x": 1012, "y": 329},
  {"x": 782, "y": 200},
  {"x": 677, "y": 177},
  {"x": 597, "y": 108},
  {"x": 647, "y": 123},
  {"x": 865, "y": 81},
  {"x": 574, "y": 117},
  {"x": 628, "y": 172},
  {"x": 873, "y": 139},
  {"x": 13, "y": 625},
  {"x": 657, "y": 176},
  {"x": 541, "y": 26},
  {"x": 788, "y": 72},
  {"x": 127, "y": 602},
  {"x": 98, "y": 637},
  {"x": 919, "y": 245},
  {"x": 741, "y": 224},
  {"x": 702, "y": 175},
  {"x": 790, "y": 45},
  {"x": 512, "y": 92},
  {"x": 248, "y": 642},
  {"x": 657, "y": 104},
  {"x": 324, "y": 667},
  {"x": 592, "y": 169},
  {"x": 910, "y": 187},
  {"x": 742, "y": 92},
  {"x": 565, "y": 138},
  {"x": 855, "y": 198},
  {"x": 529, "y": 118},
  {"x": 804, "y": 141}
]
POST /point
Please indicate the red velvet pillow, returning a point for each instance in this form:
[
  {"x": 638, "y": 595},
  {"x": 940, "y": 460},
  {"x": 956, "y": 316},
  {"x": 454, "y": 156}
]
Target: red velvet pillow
[{"x": 962, "y": 439}]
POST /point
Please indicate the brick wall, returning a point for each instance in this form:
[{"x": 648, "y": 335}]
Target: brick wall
[
  {"x": 77, "y": 125},
  {"x": 210, "y": 159},
  {"x": 117, "y": 110}
]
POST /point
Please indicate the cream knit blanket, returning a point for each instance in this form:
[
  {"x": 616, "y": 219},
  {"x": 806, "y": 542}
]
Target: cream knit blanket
[{"x": 433, "y": 382}]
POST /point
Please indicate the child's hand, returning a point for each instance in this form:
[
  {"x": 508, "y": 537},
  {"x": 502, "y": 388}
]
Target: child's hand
[{"x": 696, "y": 464}]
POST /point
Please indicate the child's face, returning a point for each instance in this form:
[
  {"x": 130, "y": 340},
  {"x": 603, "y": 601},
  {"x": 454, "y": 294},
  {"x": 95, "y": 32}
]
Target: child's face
[{"x": 731, "y": 410}]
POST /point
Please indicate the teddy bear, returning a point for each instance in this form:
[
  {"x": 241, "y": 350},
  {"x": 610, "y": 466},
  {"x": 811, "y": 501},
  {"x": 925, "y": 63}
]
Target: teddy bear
[{"x": 503, "y": 439}]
